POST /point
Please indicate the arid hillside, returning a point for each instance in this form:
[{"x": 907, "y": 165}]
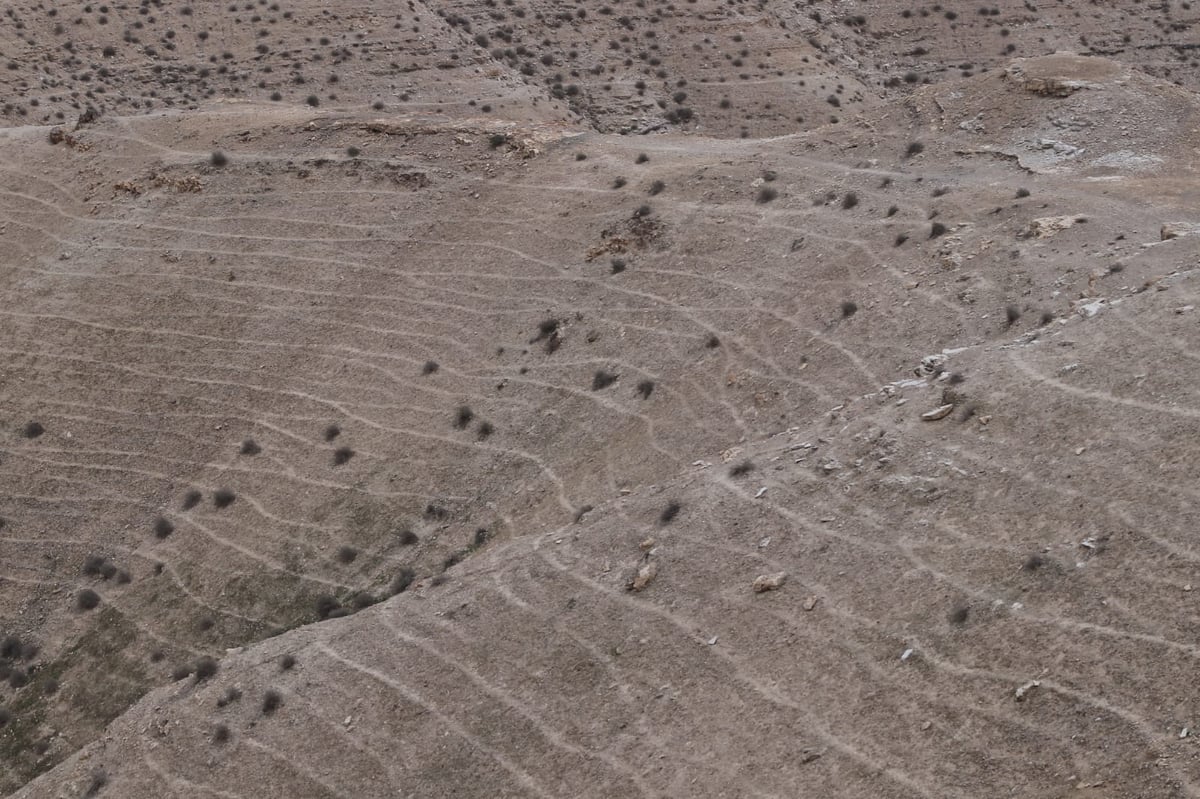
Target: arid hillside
[{"x": 494, "y": 426}]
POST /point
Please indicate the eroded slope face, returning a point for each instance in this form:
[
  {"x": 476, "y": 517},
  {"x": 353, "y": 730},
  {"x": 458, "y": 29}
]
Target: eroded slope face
[{"x": 528, "y": 367}]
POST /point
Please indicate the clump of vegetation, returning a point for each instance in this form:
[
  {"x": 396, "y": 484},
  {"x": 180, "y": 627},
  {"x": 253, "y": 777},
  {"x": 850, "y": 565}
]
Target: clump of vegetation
[
  {"x": 1022, "y": 192},
  {"x": 937, "y": 229},
  {"x": 249, "y": 447},
  {"x": 163, "y": 527},
  {"x": 603, "y": 379},
  {"x": 670, "y": 512},
  {"x": 463, "y": 417},
  {"x": 849, "y": 308},
  {"x": 218, "y": 159},
  {"x": 342, "y": 456},
  {"x": 205, "y": 668},
  {"x": 645, "y": 388},
  {"x": 332, "y": 432},
  {"x": 766, "y": 194},
  {"x": 914, "y": 148},
  {"x": 617, "y": 265},
  {"x": 741, "y": 468},
  {"x": 712, "y": 342},
  {"x": 641, "y": 158},
  {"x": 220, "y": 734},
  {"x": 272, "y": 700},
  {"x": 1011, "y": 314},
  {"x": 403, "y": 579},
  {"x": 287, "y": 662},
  {"x": 959, "y": 614},
  {"x": 849, "y": 201},
  {"x": 497, "y": 140},
  {"x": 429, "y": 367},
  {"x": 32, "y": 429},
  {"x": 223, "y": 497},
  {"x": 191, "y": 499},
  {"x": 346, "y": 554},
  {"x": 656, "y": 188},
  {"x": 900, "y": 239},
  {"x": 87, "y": 599}
]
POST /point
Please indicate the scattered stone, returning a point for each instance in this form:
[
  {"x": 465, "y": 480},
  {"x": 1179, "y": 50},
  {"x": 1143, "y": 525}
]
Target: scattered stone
[
  {"x": 1024, "y": 690},
  {"x": 1174, "y": 230},
  {"x": 1049, "y": 225},
  {"x": 769, "y": 582},
  {"x": 645, "y": 574},
  {"x": 938, "y": 413},
  {"x": 811, "y": 602},
  {"x": 647, "y": 544}
]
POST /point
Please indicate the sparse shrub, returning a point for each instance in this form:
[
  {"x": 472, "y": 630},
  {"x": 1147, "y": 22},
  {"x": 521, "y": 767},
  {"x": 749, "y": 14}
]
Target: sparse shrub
[
  {"x": 643, "y": 210},
  {"x": 218, "y": 159},
  {"x": 205, "y": 668},
  {"x": 249, "y": 447},
  {"x": 5, "y": 717},
  {"x": 1046, "y": 318},
  {"x": 429, "y": 367},
  {"x": 325, "y": 605},
  {"x": 1022, "y": 192},
  {"x": 162, "y": 527},
  {"x": 641, "y": 158},
  {"x": 232, "y": 694},
  {"x": 849, "y": 308},
  {"x": 313, "y": 100},
  {"x": 403, "y": 579},
  {"x": 220, "y": 734},
  {"x": 485, "y": 429},
  {"x": 849, "y": 201},
  {"x": 287, "y": 662},
  {"x": 96, "y": 784},
  {"x": 656, "y": 187},
  {"x": 181, "y": 672},
  {"x": 19, "y": 678},
  {"x": 900, "y": 239},
  {"x": 892, "y": 209},
  {"x": 712, "y": 342},
  {"x": 619, "y": 182},
  {"x": 959, "y": 614},
  {"x": 87, "y": 599},
  {"x": 914, "y": 148},
  {"x": 645, "y": 388},
  {"x": 580, "y": 156},
  {"x": 10, "y": 647},
  {"x": 191, "y": 499},
  {"x": 497, "y": 140},
  {"x": 766, "y": 194},
  {"x": 223, "y": 497},
  {"x": 936, "y": 229},
  {"x": 272, "y": 700},
  {"x": 342, "y": 456},
  {"x": 1033, "y": 563},
  {"x": 93, "y": 565},
  {"x": 1011, "y": 314},
  {"x": 463, "y": 417},
  {"x": 602, "y": 379},
  {"x": 332, "y": 432},
  {"x": 346, "y": 554},
  {"x": 407, "y": 537},
  {"x": 32, "y": 429},
  {"x": 617, "y": 265},
  {"x": 546, "y": 327},
  {"x": 353, "y": 152},
  {"x": 669, "y": 513},
  {"x": 740, "y": 469},
  {"x": 940, "y": 191}
]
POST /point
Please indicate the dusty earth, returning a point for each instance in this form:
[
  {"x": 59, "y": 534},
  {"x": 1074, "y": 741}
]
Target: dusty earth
[{"x": 523, "y": 399}]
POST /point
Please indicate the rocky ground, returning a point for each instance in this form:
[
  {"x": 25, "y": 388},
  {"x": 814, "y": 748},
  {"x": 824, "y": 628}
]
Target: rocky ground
[{"x": 490, "y": 425}]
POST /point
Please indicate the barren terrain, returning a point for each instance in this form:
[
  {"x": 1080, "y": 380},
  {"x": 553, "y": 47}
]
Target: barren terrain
[{"x": 524, "y": 399}]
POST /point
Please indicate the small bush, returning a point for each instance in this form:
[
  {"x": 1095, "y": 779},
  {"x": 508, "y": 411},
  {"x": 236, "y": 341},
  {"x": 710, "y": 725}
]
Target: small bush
[
  {"x": 342, "y": 456},
  {"x": 87, "y": 599},
  {"x": 5, "y": 717},
  {"x": 497, "y": 140},
  {"x": 407, "y": 537},
  {"x": 741, "y": 469},
  {"x": 669, "y": 513},
  {"x": 97, "y": 783},
  {"x": 1011, "y": 314},
  {"x": 249, "y": 447},
  {"x": 914, "y": 148},
  {"x": 619, "y": 182},
  {"x": 232, "y": 694},
  {"x": 642, "y": 211},
  {"x": 892, "y": 209},
  {"x": 313, "y": 100},
  {"x": 645, "y": 388},
  {"x": 641, "y": 159},
  {"x": 223, "y": 497},
  {"x": 485, "y": 430},
  {"x": 163, "y": 527},
  {"x": 181, "y": 672},
  {"x": 937, "y": 229},
  {"x": 546, "y": 328},
  {"x": 429, "y": 367},
  {"x": 287, "y": 662},
  {"x": 346, "y": 554},
  {"x": 900, "y": 239},
  {"x": 403, "y": 579},
  {"x": 353, "y": 152},
  {"x": 766, "y": 194},
  {"x": 220, "y": 734},
  {"x": 32, "y": 429},
  {"x": 463, "y": 417},
  {"x": 849, "y": 201},
  {"x": 617, "y": 265},
  {"x": 205, "y": 668},
  {"x": 1046, "y": 318},
  {"x": 191, "y": 499},
  {"x": 602, "y": 379},
  {"x": 325, "y": 605},
  {"x": 959, "y": 614},
  {"x": 332, "y": 432},
  {"x": 657, "y": 187},
  {"x": 712, "y": 342},
  {"x": 272, "y": 700},
  {"x": 849, "y": 308},
  {"x": 1033, "y": 563},
  {"x": 10, "y": 647},
  {"x": 1022, "y": 192},
  {"x": 218, "y": 159}
]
